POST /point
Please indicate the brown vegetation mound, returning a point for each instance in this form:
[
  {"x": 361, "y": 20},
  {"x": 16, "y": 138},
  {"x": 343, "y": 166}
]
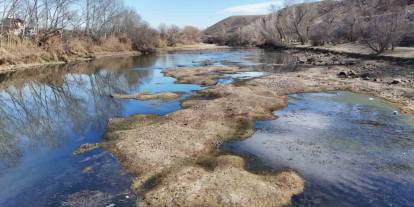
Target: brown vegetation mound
[
  {"x": 152, "y": 146},
  {"x": 203, "y": 76},
  {"x": 227, "y": 185}
]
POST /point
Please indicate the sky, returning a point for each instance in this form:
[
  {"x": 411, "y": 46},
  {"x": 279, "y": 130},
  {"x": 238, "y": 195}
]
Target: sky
[{"x": 199, "y": 13}]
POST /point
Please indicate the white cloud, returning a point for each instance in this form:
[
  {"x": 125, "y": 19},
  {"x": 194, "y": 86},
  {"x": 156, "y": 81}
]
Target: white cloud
[{"x": 251, "y": 9}]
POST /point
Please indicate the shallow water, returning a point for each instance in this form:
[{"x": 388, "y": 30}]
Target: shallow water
[
  {"x": 350, "y": 148},
  {"x": 45, "y": 114}
]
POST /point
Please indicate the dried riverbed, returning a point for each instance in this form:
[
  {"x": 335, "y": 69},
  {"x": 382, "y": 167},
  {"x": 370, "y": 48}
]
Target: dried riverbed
[{"x": 183, "y": 139}]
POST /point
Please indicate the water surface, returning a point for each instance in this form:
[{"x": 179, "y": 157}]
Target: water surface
[
  {"x": 351, "y": 149},
  {"x": 46, "y": 113}
]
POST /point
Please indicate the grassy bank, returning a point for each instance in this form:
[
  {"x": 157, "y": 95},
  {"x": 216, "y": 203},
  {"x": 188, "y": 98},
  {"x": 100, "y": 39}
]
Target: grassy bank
[
  {"x": 24, "y": 55},
  {"x": 17, "y": 54}
]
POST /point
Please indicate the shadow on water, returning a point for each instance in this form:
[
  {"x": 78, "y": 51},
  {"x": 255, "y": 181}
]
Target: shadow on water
[
  {"x": 351, "y": 149},
  {"x": 46, "y": 113}
]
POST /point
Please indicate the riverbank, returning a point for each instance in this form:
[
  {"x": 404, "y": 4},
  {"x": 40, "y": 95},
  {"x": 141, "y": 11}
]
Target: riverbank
[
  {"x": 359, "y": 51},
  {"x": 172, "y": 147},
  {"x": 27, "y": 66},
  {"x": 192, "y": 47},
  {"x": 22, "y": 67}
]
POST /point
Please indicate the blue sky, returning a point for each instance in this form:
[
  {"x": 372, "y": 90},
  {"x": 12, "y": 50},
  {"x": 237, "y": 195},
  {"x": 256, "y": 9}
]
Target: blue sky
[{"x": 200, "y": 13}]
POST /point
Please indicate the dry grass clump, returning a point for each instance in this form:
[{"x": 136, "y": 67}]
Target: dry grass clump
[
  {"x": 112, "y": 44},
  {"x": 152, "y": 146},
  {"x": 15, "y": 50},
  {"x": 229, "y": 184}
]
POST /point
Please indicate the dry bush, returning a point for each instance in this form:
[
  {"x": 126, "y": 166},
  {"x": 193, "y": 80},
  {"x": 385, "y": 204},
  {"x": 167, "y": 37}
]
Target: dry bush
[
  {"x": 190, "y": 35},
  {"x": 55, "y": 49},
  {"x": 80, "y": 47},
  {"x": 15, "y": 50},
  {"x": 383, "y": 32},
  {"x": 113, "y": 44}
]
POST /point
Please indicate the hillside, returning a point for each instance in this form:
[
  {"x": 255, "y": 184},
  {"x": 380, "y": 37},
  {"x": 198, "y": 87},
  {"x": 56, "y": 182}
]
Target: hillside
[
  {"x": 228, "y": 27},
  {"x": 322, "y": 22}
]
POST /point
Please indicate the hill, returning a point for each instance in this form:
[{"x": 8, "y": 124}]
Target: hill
[
  {"x": 228, "y": 27},
  {"x": 323, "y": 22}
]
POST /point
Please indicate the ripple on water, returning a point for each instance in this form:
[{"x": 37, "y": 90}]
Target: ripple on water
[{"x": 351, "y": 149}]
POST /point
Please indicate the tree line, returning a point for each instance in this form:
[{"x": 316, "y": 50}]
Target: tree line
[
  {"x": 95, "y": 19},
  {"x": 379, "y": 24}
]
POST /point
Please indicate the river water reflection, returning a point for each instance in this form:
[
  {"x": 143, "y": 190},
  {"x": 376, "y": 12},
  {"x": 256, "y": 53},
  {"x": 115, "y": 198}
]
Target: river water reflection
[{"x": 46, "y": 113}]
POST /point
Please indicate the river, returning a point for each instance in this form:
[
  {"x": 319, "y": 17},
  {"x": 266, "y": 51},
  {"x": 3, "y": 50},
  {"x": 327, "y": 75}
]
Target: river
[{"x": 47, "y": 113}]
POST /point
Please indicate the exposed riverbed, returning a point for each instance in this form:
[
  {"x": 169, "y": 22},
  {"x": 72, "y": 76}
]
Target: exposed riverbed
[{"x": 49, "y": 113}]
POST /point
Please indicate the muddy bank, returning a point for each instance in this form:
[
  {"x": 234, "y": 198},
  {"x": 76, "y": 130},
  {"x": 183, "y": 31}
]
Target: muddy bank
[{"x": 147, "y": 96}]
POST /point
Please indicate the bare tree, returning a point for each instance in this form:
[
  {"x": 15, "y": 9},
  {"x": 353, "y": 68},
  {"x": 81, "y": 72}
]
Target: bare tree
[
  {"x": 300, "y": 18},
  {"x": 190, "y": 35},
  {"x": 173, "y": 35},
  {"x": 381, "y": 23},
  {"x": 384, "y": 31}
]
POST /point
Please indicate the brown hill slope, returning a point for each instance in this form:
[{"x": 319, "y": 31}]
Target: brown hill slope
[
  {"x": 324, "y": 21},
  {"x": 228, "y": 27}
]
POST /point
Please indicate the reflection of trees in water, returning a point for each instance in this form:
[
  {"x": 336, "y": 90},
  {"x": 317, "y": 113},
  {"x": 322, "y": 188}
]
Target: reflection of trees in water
[
  {"x": 8, "y": 149},
  {"x": 46, "y": 109}
]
